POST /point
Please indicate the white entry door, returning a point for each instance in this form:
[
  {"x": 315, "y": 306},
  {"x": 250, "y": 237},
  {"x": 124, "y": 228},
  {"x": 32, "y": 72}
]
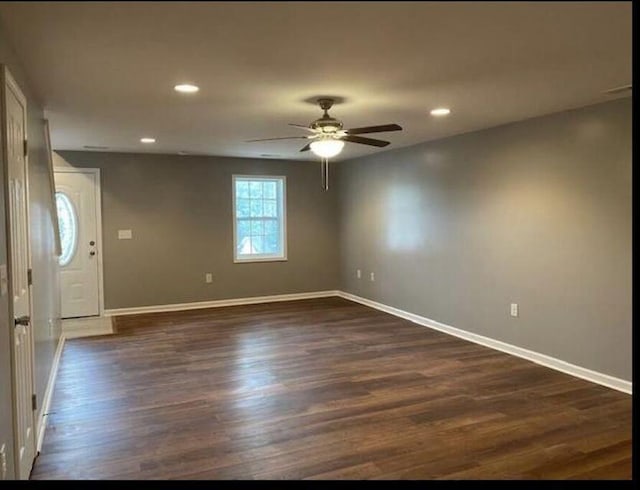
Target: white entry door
[
  {"x": 15, "y": 124},
  {"x": 77, "y": 197}
]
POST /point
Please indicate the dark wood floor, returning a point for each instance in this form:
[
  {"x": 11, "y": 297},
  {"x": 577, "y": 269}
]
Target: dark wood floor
[{"x": 320, "y": 388}]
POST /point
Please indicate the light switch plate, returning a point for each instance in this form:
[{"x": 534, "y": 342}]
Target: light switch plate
[{"x": 125, "y": 235}]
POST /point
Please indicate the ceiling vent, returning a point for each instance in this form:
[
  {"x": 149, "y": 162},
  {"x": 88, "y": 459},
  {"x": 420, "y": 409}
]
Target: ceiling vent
[{"x": 92, "y": 147}]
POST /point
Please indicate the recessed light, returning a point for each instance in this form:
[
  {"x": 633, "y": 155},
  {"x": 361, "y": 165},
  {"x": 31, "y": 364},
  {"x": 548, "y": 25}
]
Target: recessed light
[
  {"x": 440, "y": 111},
  {"x": 147, "y": 140},
  {"x": 186, "y": 88}
]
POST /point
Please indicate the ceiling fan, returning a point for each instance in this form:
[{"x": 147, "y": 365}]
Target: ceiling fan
[{"x": 328, "y": 136}]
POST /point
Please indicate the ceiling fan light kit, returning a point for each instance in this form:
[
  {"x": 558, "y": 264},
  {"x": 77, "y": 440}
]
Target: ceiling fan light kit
[
  {"x": 329, "y": 137},
  {"x": 327, "y": 148}
]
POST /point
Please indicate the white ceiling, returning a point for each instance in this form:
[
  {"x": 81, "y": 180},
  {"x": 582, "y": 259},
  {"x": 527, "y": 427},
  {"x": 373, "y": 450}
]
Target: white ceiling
[{"x": 105, "y": 71}]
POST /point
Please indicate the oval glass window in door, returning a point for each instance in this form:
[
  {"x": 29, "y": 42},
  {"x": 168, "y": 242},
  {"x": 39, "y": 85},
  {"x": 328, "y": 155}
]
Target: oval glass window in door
[{"x": 68, "y": 224}]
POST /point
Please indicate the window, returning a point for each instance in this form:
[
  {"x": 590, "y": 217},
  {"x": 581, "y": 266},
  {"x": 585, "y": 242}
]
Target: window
[
  {"x": 259, "y": 210},
  {"x": 68, "y": 225}
]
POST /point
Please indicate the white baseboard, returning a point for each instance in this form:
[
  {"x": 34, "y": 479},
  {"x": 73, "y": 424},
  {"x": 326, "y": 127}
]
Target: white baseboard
[
  {"x": 538, "y": 358},
  {"x": 43, "y": 414},
  {"x": 542, "y": 359},
  {"x": 219, "y": 303}
]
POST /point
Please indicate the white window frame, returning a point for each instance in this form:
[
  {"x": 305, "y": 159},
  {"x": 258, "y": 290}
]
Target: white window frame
[{"x": 283, "y": 228}]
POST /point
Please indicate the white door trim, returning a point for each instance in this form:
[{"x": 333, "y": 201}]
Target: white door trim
[{"x": 98, "y": 193}]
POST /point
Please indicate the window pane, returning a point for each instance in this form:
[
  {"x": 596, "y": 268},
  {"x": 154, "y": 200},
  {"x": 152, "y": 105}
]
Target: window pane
[
  {"x": 256, "y": 209},
  {"x": 255, "y": 189},
  {"x": 256, "y": 242},
  {"x": 68, "y": 224},
  {"x": 244, "y": 246},
  {"x": 243, "y": 208},
  {"x": 271, "y": 244},
  {"x": 243, "y": 233},
  {"x": 242, "y": 188},
  {"x": 244, "y": 227},
  {"x": 271, "y": 227},
  {"x": 270, "y": 189},
  {"x": 257, "y": 228},
  {"x": 270, "y": 208}
]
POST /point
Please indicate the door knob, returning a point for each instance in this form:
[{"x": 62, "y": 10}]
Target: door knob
[
  {"x": 22, "y": 320},
  {"x": 92, "y": 253}
]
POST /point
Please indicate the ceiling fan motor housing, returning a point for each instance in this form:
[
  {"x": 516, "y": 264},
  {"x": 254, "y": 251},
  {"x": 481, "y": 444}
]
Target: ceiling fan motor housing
[{"x": 326, "y": 123}]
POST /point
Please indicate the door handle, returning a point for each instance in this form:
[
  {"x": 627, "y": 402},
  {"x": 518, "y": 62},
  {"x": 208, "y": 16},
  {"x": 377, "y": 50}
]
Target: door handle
[
  {"x": 92, "y": 253},
  {"x": 22, "y": 320}
]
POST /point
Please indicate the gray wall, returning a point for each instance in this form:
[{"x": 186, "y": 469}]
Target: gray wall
[
  {"x": 45, "y": 292},
  {"x": 536, "y": 213},
  {"x": 180, "y": 211}
]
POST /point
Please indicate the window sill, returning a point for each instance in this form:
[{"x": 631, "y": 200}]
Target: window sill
[{"x": 259, "y": 259}]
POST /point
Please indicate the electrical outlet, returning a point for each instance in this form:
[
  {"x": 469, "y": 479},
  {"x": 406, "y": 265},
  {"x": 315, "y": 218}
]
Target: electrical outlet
[
  {"x": 358, "y": 273},
  {"x": 3, "y": 463},
  {"x": 514, "y": 309},
  {"x": 372, "y": 276},
  {"x": 208, "y": 277}
]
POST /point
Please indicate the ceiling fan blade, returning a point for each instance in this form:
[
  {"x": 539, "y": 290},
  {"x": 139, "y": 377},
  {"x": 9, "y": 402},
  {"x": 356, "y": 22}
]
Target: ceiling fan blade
[
  {"x": 306, "y": 147},
  {"x": 364, "y": 141},
  {"x": 274, "y": 139},
  {"x": 374, "y": 129},
  {"x": 302, "y": 127}
]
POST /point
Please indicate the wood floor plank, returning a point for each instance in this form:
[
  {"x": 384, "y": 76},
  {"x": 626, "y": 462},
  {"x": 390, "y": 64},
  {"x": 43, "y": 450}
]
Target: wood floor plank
[{"x": 319, "y": 389}]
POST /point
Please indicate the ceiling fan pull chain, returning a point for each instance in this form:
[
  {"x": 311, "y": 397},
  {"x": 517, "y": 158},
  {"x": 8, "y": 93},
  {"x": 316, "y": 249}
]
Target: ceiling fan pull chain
[
  {"x": 326, "y": 174},
  {"x": 324, "y": 168}
]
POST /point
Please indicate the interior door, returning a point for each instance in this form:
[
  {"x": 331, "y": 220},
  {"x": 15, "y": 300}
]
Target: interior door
[
  {"x": 14, "y": 129},
  {"x": 76, "y": 199}
]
